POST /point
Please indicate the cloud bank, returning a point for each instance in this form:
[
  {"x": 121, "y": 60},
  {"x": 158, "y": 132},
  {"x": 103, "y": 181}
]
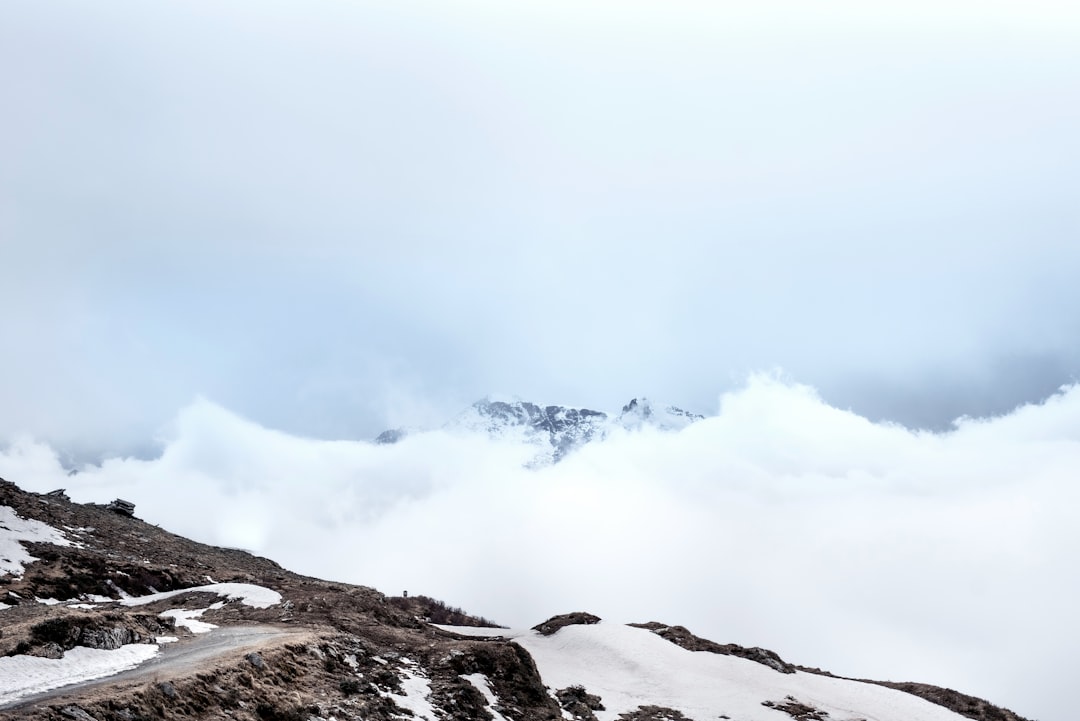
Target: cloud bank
[{"x": 779, "y": 521}]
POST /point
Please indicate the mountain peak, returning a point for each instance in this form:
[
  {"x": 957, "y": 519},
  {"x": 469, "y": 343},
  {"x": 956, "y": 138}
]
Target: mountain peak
[
  {"x": 555, "y": 430},
  {"x": 638, "y": 413}
]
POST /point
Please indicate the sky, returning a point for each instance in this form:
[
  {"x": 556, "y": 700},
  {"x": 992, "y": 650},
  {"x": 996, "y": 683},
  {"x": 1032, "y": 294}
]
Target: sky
[{"x": 318, "y": 220}]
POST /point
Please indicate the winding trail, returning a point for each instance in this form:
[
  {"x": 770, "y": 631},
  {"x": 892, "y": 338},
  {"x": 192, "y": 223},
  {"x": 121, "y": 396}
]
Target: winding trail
[{"x": 176, "y": 659}]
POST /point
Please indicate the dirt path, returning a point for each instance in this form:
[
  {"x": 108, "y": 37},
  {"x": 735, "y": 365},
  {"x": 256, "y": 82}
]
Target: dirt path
[{"x": 175, "y": 660}]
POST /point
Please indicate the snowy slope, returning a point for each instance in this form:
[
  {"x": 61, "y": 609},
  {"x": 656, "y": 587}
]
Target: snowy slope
[{"x": 631, "y": 667}]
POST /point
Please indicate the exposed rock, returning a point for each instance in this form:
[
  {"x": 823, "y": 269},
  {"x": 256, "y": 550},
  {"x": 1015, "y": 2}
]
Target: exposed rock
[
  {"x": 124, "y": 508},
  {"x": 554, "y": 623},
  {"x": 653, "y": 713},
  {"x": 579, "y": 703},
  {"x": 66, "y": 629},
  {"x": 797, "y": 710},
  {"x": 107, "y": 638},
  {"x": 74, "y": 712},
  {"x": 48, "y": 650},
  {"x": 680, "y": 636},
  {"x": 964, "y": 704},
  {"x": 391, "y": 436}
]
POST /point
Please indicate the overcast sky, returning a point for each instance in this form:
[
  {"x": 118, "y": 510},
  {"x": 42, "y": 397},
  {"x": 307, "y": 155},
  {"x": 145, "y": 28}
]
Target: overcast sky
[
  {"x": 337, "y": 216},
  {"x": 330, "y": 218}
]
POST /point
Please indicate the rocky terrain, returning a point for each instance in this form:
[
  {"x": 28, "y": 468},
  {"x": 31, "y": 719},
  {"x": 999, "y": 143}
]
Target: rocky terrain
[{"x": 83, "y": 582}]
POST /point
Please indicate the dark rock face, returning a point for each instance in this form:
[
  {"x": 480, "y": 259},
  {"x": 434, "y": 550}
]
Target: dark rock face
[
  {"x": 577, "y": 618},
  {"x": 390, "y": 437},
  {"x": 74, "y": 712},
  {"x": 579, "y": 703},
  {"x": 107, "y": 639},
  {"x": 680, "y": 636},
  {"x": 512, "y": 674},
  {"x": 63, "y": 630},
  {"x": 48, "y": 650},
  {"x": 963, "y": 704},
  {"x": 124, "y": 508}
]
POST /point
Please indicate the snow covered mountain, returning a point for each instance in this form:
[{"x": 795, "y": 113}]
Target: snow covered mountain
[
  {"x": 107, "y": 618},
  {"x": 555, "y": 431},
  {"x": 608, "y": 671}
]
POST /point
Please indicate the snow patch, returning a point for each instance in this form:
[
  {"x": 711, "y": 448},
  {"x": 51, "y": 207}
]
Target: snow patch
[
  {"x": 247, "y": 593},
  {"x": 187, "y": 618},
  {"x": 26, "y": 675},
  {"x": 13, "y": 529},
  {"x": 480, "y": 681},
  {"x": 417, "y": 691},
  {"x": 483, "y": 631}
]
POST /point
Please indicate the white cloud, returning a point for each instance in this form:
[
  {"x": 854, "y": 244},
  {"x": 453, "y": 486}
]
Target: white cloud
[{"x": 780, "y": 521}]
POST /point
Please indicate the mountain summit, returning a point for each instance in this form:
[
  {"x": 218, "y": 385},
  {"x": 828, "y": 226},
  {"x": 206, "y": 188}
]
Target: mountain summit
[{"x": 555, "y": 430}]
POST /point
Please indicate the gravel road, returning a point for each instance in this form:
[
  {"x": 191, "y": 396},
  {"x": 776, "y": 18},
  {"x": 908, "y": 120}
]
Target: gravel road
[{"x": 174, "y": 660}]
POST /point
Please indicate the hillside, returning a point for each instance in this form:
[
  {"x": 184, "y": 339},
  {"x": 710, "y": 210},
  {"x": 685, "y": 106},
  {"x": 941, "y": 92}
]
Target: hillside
[{"x": 196, "y": 631}]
